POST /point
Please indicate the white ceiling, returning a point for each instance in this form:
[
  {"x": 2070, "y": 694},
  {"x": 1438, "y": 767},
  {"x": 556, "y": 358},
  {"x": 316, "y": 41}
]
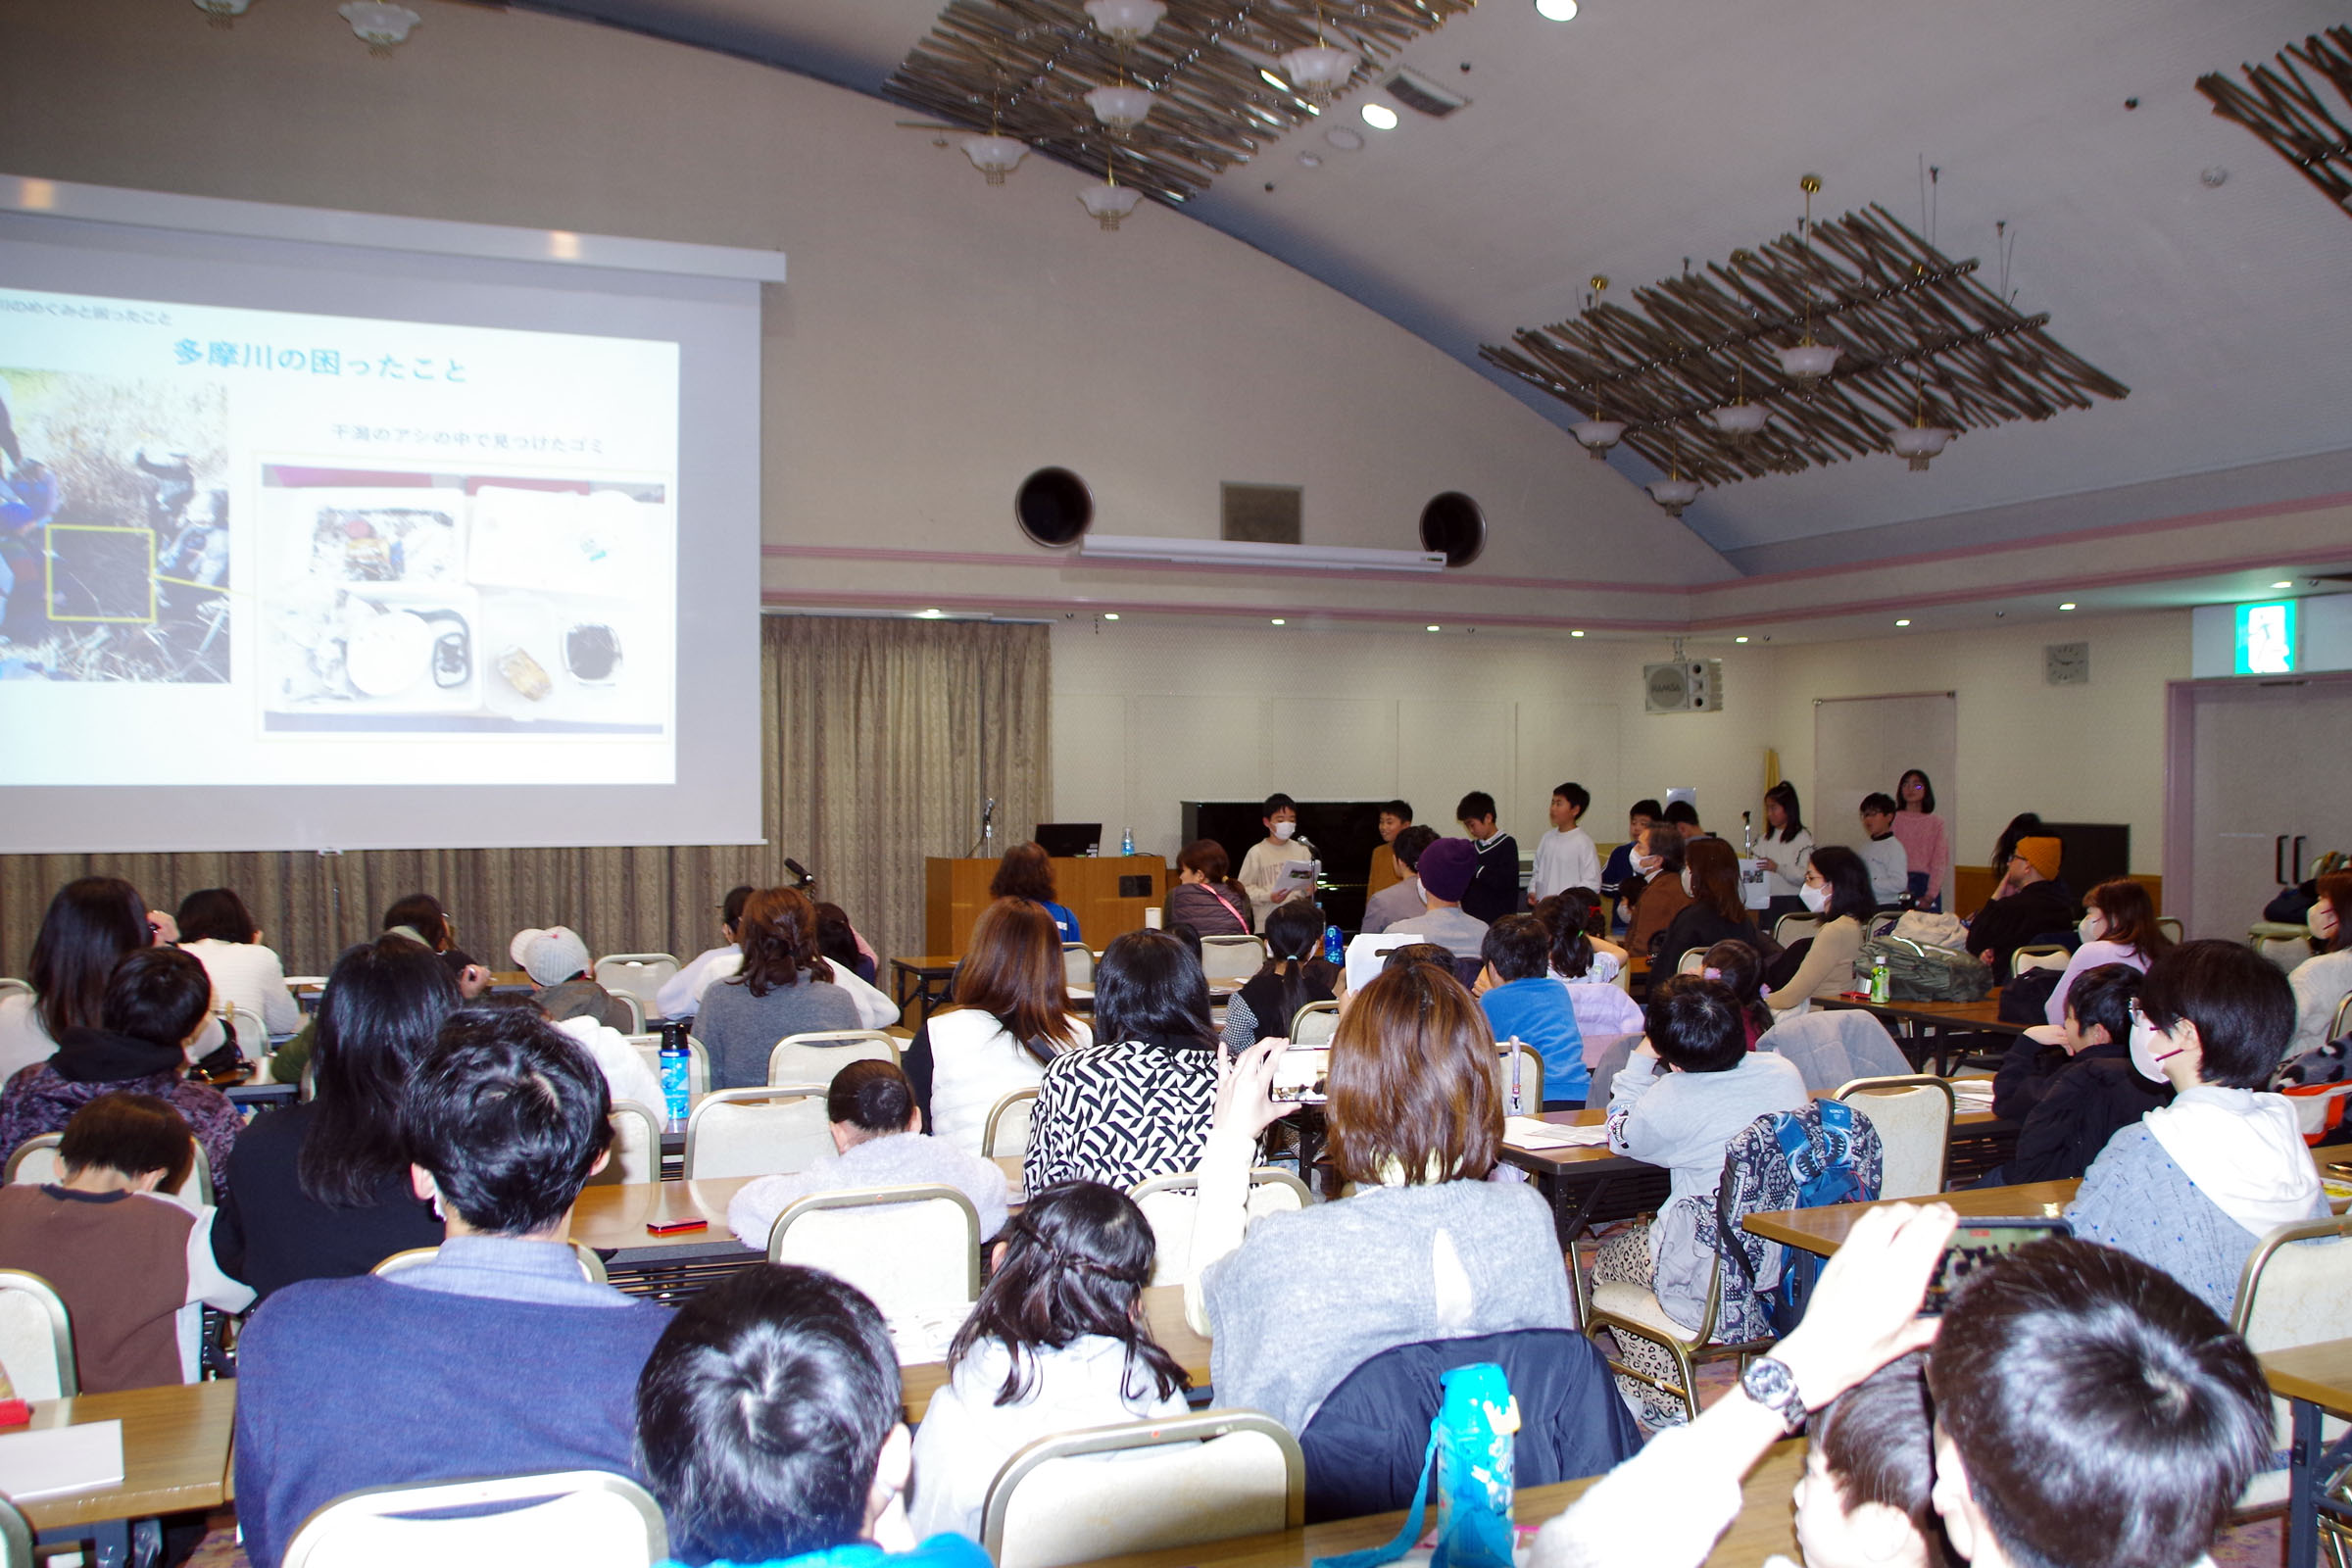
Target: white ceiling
[{"x": 1647, "y": 131}]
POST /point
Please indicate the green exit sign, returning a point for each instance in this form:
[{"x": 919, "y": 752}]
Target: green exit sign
[{"x": 2266, "y": 639}]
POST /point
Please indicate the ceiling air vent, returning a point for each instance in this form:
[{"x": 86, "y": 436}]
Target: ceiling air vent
[{"x": 1423, "y": 96}]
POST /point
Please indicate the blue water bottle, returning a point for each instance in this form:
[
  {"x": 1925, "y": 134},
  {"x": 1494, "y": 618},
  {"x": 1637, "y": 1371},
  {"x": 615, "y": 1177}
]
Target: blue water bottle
[
  {"x": 1127, "y": 841},
  {"x": 675, "y": 1061},
  {"x": 1334, "y": 951}
]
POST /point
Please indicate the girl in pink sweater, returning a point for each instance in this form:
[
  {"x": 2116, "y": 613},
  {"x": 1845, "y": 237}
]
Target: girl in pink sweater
[{"x": 1921, "y": 833}]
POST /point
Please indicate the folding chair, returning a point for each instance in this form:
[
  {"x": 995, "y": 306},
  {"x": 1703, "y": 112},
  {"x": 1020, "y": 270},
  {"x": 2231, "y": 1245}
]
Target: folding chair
[
  {"x": 252, "y": 1036},
  {"x": 637, "y": 974},
  {"x": 1170, "y": 1203},
  {"x": 1913, "y": 1114},
  {"x": 10, "y": 987},
  {"x": 1693, "y": 962},
  {"x": 814, "y": 1058},
  {"x": 908, "y": 1247},
  {"x": 636, "y": 1144},
  {"x": 1790, "y": 928},
  {"x": 2295, "y": 1290},
  {"x": 1231, "y": 957},
  {"x": 592, "y": 1267},
  {"x": 1220, "y": 1474},
  {"x": 35, "y": 1161},
  {"x": 1077, "y": 965},
  {"x": 36, "y": 1337},
  {"x": 2040, "y": 956},
  {"x": 1521, "y": 1066},
  {"x": 2171, "y": 927},
  {"x": 581, "y": 1518},
  {"x": 758, "y": 1132},
  {"x": 1315, "y": 1023},
  {"x": 16, "y": 1536},
  {"x": 1007, "y": 1130}
]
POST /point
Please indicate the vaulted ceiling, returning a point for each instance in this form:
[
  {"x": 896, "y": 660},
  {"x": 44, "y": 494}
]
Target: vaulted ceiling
[{"x": 2072, "y": 156}]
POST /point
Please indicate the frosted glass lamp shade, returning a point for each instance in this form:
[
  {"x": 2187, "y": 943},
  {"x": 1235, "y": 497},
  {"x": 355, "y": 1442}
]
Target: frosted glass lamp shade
[
  {"x": 380, "y": 27},
  {"x": 1598, "y": 435},
  {"x": 1120, "y": 107},
  {"x": 994, "y": 156},
  {"x": 1921, "y": 442},
  {"x": 1808, "y": 362},
  {"x": 1109, "y": 203},
  {"x": 1741, "y": 418},
  {"x": 1672, "y": 494},
  {"x": 222, "y": 11},
  {"x": 1126, "y": 21},
  {"x": 1318, "y": 70}
]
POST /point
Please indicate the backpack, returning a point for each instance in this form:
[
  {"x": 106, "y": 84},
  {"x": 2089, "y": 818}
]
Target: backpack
[
  {"x": 1828, "y": 1152},
  {"x": 1916, "y": 972},
  {"x": 1470, "y": 1453}
]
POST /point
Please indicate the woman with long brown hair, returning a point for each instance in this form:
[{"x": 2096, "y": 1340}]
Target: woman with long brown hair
[
  {"x": 784, "y": 987},
  {"x": 1715, "y": 912},
  {"x": 1010, "y": 1015},
  {"x": 2118, "y": 926},
  {"x": 1205, "y": 896},
  {"x": 90, "y": 926}
]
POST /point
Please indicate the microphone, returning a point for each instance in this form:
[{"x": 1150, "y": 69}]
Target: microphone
[
  {"x": 799, "y": 870},
  {"x": 988, "y": 812}
]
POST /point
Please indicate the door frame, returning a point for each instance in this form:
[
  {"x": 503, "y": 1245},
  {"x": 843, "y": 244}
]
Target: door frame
[{"x": 2180, "y": 768}]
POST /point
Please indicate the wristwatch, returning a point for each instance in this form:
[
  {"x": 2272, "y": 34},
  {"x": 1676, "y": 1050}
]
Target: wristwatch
[{"x": 1771, "y": 1385}]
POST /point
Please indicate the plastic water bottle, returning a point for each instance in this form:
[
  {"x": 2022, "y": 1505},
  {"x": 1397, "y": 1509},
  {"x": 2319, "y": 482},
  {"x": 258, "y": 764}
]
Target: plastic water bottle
[
  {"x": 1334, "y": 951},
  {"x": 1881, "y": 986},
  {"x": 1127, "y": 841},
  {"x": 675, "y": 1060}
]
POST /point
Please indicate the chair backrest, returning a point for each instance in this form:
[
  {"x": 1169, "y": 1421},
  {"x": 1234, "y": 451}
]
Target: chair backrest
[
  {"x": 908, "y": 1247},
  {"x": 2040, "y": 956},
  {"x": 246, "y": 1028},
  {"x": 814, "y": 1058},
  {"x": 1693, "y": 961},
  {"x": 1077, "y": 963},
  {"x": 1315, "y": 1023},
  {"x": 636, "y": 974},
  {"x": 36, "y": 1337},
  {"x": 1522, "y": 1067},
  {"x": 1169, "y": 1203},
  {"x": 35, "y": 1161},
  {"x": 2291, "y": 1295},
  {"x": 16, "y": 1536},
  {"x": 1833, "y": 1045},
  {"x": 758, "y": 1132},
  {"x": 698, "y": 1063},
  {"x": 2343, "y": 1017},
  {"x": 592, "y": 1267},
  {"x": 637, "y": 1011},
  {"x": 636, "y": 1143},
  {"x": 1794, "y": 927},
  {"x": 1231, "y": 957},
  {"x": 1913, "y": 1114},
  {"x": 10, "y": 986},
  {"x": 1217, "y": 1474},
  {"x": 581, "y": 1518},
  {"x": 1623, "y": 979},
  {"x": 2284, "y": 952},
  {"x": 2171, "y": 927},
  {"x": 1007, "y": 1130}
]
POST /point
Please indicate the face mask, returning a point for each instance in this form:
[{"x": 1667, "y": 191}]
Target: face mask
[
  {"x": 1284, "y": 830},
  {"x": 1815, "y": 899},
  {"x": 2145, "y": 1056},
  {"x": 2322, "y": 922},
  {"x": 1688, "y": 892},
  {"x": 1646, "y": 864},
  {"x": 2092, "y": 927}
]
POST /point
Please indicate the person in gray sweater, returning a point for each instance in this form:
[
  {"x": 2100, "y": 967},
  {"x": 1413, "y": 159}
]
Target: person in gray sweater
[
  {"x": 784, "y": 987},
  {"x": 1426, "y": 1250}
]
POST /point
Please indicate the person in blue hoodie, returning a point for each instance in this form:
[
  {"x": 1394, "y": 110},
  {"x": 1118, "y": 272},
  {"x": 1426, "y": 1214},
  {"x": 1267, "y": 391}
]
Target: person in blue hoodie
[{"x": 1523, "y": 1001}]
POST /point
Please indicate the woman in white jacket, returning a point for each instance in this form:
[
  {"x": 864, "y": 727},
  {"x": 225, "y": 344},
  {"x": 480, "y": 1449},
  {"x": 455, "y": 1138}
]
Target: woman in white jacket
[{"x": 1010, "y": 1015}]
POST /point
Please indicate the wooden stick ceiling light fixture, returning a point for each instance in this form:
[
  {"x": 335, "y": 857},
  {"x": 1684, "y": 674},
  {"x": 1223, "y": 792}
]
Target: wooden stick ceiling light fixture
[
  {"x": 2302, "y": 121},
  {"x": 1706, "y": 376}
]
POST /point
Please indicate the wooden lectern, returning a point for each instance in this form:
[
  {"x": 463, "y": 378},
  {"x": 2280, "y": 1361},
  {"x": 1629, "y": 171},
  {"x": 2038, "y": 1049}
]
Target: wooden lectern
[{"x": 1108, "y": 894}]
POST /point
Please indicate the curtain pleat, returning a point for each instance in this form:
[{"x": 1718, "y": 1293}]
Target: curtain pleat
[{"x": 882, "y": 738}]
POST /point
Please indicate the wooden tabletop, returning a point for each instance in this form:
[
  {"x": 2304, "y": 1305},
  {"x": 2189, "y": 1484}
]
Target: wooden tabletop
[
  {"x": 2321, "y": 1374},
  {"x": 1765, "y": 1526},
  {"x": 1598, "y": 1160},
  {"x": 1820, "y": 1230},
  {"x": 612, "y": 1218},
  {"x": 1985, "y": 1014},
  {"x": 174, "y": 1451},
  {"x": 1163, "y": 1310}
]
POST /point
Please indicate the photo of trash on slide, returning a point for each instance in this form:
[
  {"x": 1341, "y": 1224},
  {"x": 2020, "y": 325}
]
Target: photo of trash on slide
[
  {"x": 447, "y": 603},
  {"x": 114, "y": 529}
]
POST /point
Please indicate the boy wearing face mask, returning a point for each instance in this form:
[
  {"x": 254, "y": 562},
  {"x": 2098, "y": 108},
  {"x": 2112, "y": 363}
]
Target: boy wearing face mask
[
  {"x": 1262, "y": 866},
  {"x": 2192, "y": 1187},
  {"x": 2073, "y": 1086}
]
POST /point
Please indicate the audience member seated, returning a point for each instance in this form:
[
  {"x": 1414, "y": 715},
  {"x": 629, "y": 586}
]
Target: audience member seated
[
  {"x": 2086, "y": 1411},
  {"x": 681, "y": 995},
  {"x": 784, "y": 987},
  {"x": 769, "y": 1430},
  {"x": 89, "y": 926},
  {"x": 1444, "y": 870},
  {"x": 2118, "y": 926},
  {"x": 1384, "y": 871},
  {"x": 1711, "y": 1088},
  {"x": 878, "y": 1140},
  {"x": 216, "y": 926},
  {"x": 2321, "y": 982},
  {"x": 1133, "y": 1103},
  {"x": 1741, "y": 968},
  {"x": 1619, "y": 878},
  {"x": 1589, "y": 965},
  {"x": 1205, "y": 896},
  {"x": 321, "y": 1190},
  {"x": 157, "y": 1005},
  {"x": 556, "y": 961},
  {"x": 1715, "y": 912},
  {"x": 126, "y": 1260},
  {"x": 1293, "y": 975},
  {"x": 1836, "y": 889},
  {"x": 2073, "y": 1088},
  {"x": 852, "y": 969},
  {"x": 627, "y": 1074},
  {"x": 496, "y": 1358},
  {"x": 1027, "y": 872},
  {"x": 1522, "y": 1001},
  {"x": 1426, "y": 1249},
  {"x": 2193, "y": 1185},
  {"x": 1058, "y": 1344},
  {"x": 1402, "y": 899},
  {"x": 1010, "y": 1015},
  {"x": 1888, "y": 862},
  {"x": 1662, "y": 896},
  {"x": 420, "y": 918},
  {"x": 2030, "y": 905}
]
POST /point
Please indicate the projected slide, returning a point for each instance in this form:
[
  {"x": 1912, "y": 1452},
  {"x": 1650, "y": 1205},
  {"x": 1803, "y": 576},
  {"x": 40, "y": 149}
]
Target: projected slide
[{"x": 248, "y": 547}]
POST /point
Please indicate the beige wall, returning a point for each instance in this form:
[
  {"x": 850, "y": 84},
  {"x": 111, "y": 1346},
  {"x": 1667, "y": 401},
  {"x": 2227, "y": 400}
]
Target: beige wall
[
  {"x": 938, "y": 339},
  {"x": 1148, "y": 717}
]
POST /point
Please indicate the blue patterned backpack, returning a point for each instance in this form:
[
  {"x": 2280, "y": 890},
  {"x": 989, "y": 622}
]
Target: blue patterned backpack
[{"x": 1825, "y": 1153}]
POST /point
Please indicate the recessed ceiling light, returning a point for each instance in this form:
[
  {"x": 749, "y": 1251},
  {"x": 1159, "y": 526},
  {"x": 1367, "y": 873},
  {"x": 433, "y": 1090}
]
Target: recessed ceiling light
[
  {"x": 1903, "y": 622},
  {"x": 1311, "y": 160},
  {"x": 1738, "y": 639},
  {"x": 2069, "y": 605},
  {"x": 1111, "y": 614},
  {"x": 1279, "y": 621},
  {"x": 1576, "y": 634},
  {"x": 1344, "y": 139},
  {"x": 930, "y": 614},
  {"x": 1380, "y": 116},
  {"x": 2288, "y": 583},
  {"x": 1556, "y": 10},
  {"x": 1429, "y": 628}
]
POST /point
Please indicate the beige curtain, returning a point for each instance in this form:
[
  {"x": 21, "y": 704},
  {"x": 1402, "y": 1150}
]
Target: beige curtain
[{"x": 882, "y": 738}]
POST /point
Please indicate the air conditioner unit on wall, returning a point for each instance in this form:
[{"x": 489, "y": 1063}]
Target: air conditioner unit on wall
[{"x": 1690, "y": 686}]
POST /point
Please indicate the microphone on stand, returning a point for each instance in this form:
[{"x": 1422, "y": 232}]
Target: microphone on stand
[
  {"x": 988, "y": 830},
  {"x": 799, "y": 870}
]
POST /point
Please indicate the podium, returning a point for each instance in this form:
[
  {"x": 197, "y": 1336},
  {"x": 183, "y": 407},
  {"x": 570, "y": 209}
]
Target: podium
[{"x": 1108, "y": 894}]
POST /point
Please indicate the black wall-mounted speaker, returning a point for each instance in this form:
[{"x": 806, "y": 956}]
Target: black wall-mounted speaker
[
  {"x": 1451, "y": 526},
  {"x": 1053, "y": 507}
]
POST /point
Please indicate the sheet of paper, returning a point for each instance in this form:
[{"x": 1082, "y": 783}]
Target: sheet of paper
[
  {"x": 1297, "y": 876},
  {"x": 55, "y": 1460},
  {"x": 1527, "y": 1132}
]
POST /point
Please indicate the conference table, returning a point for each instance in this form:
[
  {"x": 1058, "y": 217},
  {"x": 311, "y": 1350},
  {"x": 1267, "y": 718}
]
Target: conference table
[
  {"x": 175, "y": 1442},
  {"x": 1930, "y": 1025},
  {"x": 2318, "y": 1380}
]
